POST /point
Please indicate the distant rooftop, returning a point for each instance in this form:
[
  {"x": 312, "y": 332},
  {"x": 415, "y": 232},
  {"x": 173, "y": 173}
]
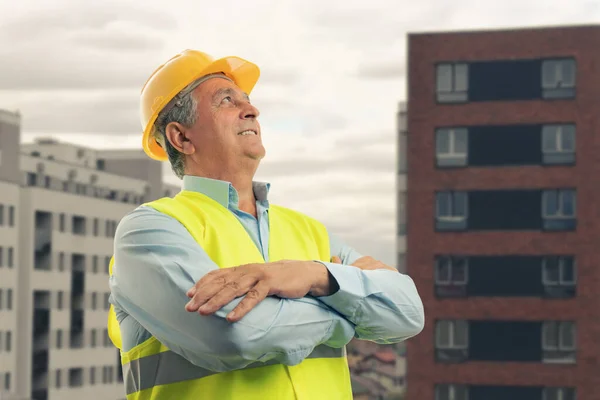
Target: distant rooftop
[{"x": 508, "y": 29}]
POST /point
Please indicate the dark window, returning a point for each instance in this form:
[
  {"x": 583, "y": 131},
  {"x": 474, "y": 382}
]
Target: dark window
[
  {"x": 8, "y": 341},
  {"x": 504, "y": 145},
  {"x": 75, "y": 377},
  {"x": 31, "y": 179},
  {"x": 401, "y": 213},
  {"x": 505, "y": 276},
  {"x": 11, "y": 216},
  {"x": 504, "y": 210},
  {"x": 58, "y": 378},
  {"x": 517, "y": 341},
  {"x": 78, "y": 225},
  {"x": 504, "y": 80}
]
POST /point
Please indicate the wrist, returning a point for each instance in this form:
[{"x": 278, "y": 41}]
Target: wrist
[{"x": 323, "y": 283}]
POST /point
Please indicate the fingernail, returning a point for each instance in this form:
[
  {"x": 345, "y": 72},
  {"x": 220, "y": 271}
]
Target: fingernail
[
  {"x": 231, "y": 315},
  {"x": 204, "y": 308},
  {"x": 191, "y": 292},
  {"x": 190, "y": 303}
]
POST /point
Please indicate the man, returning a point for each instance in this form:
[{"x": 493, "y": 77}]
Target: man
[{"x": 217, "y": 294}]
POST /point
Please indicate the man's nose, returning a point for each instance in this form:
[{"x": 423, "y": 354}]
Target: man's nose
[{"x": 249, "y": 112}]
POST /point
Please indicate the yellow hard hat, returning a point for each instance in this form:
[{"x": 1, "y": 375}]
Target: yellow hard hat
[{"x": 173, "y": 76}]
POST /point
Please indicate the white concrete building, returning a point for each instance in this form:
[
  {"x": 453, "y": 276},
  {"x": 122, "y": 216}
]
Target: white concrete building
[
  {"x": 59, "y": 208},
  {"x": 401, "y": 187}
]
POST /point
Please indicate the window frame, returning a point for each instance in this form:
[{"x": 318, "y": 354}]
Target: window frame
[
  {"x": 561, "y": 266},
  {"x": 452, "y": 158},
  {"x": 452, "y": 195},
  {"x": 453, "y": 94},
  {"x": 452, "y": 336},
  {"x": 557, "y": 325},
  {"x": 451, "y": 281},
  {"x": 560, "y": 193}
]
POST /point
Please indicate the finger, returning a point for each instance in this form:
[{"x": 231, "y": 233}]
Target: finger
[
  {"x": 208, "y": 278},
  {"x": 254, "y": 296},
  {"x": 203, "y": 292},
  {"x": 237, "y": 288},
  {"x": 336, "y": 260}
]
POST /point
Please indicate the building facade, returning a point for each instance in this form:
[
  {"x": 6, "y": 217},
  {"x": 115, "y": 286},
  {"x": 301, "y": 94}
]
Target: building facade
[
  {"x": 502, "y": 213},
  {"x": 59, "y": 208}
]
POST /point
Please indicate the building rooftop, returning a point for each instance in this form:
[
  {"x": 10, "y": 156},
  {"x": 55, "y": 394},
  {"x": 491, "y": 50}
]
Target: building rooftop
[{"x": 507, "y": 29}]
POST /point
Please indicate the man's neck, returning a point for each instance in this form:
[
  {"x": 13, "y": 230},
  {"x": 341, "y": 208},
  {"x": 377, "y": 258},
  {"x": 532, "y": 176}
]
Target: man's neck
[{"x": 241, "y": 181}]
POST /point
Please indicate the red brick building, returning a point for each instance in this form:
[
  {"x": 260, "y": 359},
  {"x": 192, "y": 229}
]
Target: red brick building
[{"x": 503, "y": 213}]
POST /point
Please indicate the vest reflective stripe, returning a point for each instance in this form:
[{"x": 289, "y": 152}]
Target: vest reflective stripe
[{"x": 169, "y": 367}]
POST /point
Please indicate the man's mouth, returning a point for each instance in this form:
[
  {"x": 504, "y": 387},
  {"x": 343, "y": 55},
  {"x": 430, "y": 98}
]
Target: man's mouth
[{"x": 248, "y": 132}]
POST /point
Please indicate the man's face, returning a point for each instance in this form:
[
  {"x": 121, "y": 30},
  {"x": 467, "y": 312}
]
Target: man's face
[{"x": 225, "y": 116}]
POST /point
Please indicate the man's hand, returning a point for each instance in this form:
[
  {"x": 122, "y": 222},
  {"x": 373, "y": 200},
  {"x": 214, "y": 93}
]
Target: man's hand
[
  {"x": 287, "y": 279},
  {"x": 366, "y": 263}
]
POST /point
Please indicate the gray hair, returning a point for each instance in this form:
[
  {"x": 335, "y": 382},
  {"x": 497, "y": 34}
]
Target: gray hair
[{"x": 182, "y": 109}]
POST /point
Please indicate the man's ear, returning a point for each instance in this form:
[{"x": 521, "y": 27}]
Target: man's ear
[{"x": 176, "y": 135}]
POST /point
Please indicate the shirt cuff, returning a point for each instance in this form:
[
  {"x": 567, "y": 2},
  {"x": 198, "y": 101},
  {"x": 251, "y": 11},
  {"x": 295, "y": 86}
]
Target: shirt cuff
[{"x": 347, "y": 299}]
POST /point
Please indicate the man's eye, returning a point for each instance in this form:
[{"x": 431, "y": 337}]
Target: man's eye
[{"x": 228, "y": 98}]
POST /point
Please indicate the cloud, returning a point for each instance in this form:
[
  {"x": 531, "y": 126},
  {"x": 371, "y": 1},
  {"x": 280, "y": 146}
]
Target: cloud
[
  {"x": 60, "y": 18},
  {"x": 382, "y": 71},
  {"x": 94, "y": 112},
  {"x": 274, "y": 76},
  {"x": 83, "y": 46},
  {"x": 118, "y": 41}
]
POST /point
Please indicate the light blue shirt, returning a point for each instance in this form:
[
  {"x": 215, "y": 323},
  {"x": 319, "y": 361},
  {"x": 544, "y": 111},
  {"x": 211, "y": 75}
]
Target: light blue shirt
[{"x": 157, "y": 261}]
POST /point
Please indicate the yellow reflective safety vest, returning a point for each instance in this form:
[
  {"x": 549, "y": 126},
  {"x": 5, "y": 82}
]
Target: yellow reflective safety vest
[{"x": 152, "y": 372}]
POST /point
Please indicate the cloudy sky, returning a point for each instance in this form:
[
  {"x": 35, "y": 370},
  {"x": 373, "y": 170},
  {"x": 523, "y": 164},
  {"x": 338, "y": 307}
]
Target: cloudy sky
[{"x": 332, "y": 78}]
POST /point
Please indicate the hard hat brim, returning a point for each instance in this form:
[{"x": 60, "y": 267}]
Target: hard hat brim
[{"x": 245, "y": 75}]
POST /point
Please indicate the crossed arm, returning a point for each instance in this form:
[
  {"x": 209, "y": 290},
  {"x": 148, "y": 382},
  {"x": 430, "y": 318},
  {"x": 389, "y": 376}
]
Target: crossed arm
[{"x": 157, "y": 262}]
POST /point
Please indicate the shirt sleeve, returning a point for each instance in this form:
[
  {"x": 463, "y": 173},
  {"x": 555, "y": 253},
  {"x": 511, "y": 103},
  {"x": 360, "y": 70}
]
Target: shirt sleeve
[
  {"x": 157, "y": 261},
  {"x": 384, "y": 305}
]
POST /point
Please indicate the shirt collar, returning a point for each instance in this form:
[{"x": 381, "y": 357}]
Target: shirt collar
[{"x": 223, "y": 192}]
